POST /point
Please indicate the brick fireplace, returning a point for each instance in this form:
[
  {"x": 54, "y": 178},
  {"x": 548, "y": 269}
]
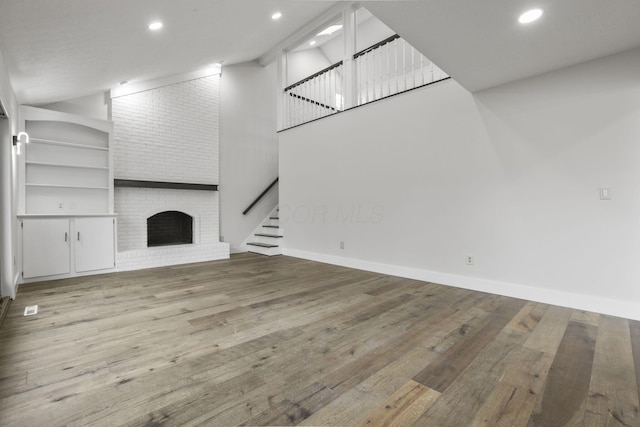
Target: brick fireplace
[{"x": 167, "y": 135}]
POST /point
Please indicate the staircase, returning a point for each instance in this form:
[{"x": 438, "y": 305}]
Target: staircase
[{"x": 267, "y": 237}]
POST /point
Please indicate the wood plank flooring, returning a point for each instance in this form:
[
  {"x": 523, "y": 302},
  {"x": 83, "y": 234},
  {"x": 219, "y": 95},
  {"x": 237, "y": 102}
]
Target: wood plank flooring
[{"x": 281, "y": 341}]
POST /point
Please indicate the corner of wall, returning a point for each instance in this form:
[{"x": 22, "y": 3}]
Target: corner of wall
[{"x": 248, "y": 148}]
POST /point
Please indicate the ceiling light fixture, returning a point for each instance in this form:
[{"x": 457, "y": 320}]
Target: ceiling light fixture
[
  {"x": 312, "y": 42},
  {"x": 330, "y": 30},
  {"x": 276, "y": 16},
  {"x": 155, "y": 26},
  {"x": 530, "y": 16}
]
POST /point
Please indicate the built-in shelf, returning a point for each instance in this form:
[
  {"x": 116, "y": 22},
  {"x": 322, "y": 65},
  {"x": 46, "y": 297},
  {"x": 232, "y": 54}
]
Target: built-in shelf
[
  {"x": 66, "y": 189},
  {"x": 67, "y": 215},
  {"x": 66, "y": 186},
  {"x": 67, "y": 144},
  {"x": 67, "y": 165}
]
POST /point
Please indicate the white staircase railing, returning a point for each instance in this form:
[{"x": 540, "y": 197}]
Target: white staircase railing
[
  {"x": 316, "y": 96},
  {"x": 390, "y": 67}
]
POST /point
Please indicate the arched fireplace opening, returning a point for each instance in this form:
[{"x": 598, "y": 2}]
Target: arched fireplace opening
[{"x": 169, "y": 228}]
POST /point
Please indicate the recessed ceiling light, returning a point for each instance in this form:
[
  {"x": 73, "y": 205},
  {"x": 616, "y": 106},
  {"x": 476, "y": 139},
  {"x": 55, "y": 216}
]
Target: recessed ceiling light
[
  {"x": 154, "y": 26},
  {"x": 330, "y": 30},
  {"x": 276, "y": 16},
  {"x": 530, "y": 16},
  {"x": 312, "y": 42}
]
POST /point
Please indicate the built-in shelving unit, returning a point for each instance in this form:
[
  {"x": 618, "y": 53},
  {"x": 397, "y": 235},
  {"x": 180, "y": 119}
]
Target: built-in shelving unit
[
  {"x": 67, "y": 164},
  {"x": 66, "y": 195}
]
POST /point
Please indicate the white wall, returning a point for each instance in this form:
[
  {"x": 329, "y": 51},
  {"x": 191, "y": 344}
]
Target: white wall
[
  {"x": 371, "y": 32},
  {"x": 416, "y": 183},
  {"x": 7, "y": 95},
  {"x": 248, "y": 148},
  {"x": 95, "y": 106},
  {"x": 304, "y": 63},
  {"x": 8, "y": 222},
  {"x": 170, "y": 133}
]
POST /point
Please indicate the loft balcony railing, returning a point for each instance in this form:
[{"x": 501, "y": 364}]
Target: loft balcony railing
[
  {"x": 387, "y": 68},
  {"x": 390, "y": 67},
  {"x": 315, "y": 96}
]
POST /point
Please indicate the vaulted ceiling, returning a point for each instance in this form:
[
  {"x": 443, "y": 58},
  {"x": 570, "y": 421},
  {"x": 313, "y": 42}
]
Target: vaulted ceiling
[
  {"x": 63, "y": 49},
  {"x": 481, "y": 44}
]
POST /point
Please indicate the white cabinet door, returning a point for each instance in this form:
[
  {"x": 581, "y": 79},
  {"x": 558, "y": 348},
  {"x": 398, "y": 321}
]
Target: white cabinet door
[
  {"x": 45, "y": 247},
  {"x": 94, "y": 244}
]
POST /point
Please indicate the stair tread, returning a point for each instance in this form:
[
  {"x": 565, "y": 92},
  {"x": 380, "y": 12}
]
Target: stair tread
[
  {"x": 267, "y": 235},
  {"x": 262, "y": 245}
]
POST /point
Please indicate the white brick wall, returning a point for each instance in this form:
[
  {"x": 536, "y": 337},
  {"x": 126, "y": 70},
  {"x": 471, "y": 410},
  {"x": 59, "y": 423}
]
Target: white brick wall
[
  {"x": 170, "y": 133},
  {"x": 135, "y": 205},
  {"x": 170, "y": 255}
]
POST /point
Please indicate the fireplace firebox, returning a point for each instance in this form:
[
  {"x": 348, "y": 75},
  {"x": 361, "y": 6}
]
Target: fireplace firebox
[{"x": 169, "y": 228}]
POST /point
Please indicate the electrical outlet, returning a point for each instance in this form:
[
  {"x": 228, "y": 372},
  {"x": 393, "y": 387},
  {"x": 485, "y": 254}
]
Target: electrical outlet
[
  {"x": 470, "y": 260},
  {"x": 341, "y": 245},
  {"x": 60, "y": 205}
]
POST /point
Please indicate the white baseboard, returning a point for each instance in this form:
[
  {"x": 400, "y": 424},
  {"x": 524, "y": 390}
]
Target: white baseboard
[{"x": 626, "y": 309}]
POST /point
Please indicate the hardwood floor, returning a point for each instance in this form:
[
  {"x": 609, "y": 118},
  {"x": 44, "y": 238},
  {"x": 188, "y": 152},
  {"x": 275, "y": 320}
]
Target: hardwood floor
[{"x": 282, "y": 341}]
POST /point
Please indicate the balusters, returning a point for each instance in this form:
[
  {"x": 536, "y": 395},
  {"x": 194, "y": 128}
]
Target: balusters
[
  {"x": 404, "y": 63},
  {"x": 388, "y": 69},
  {"x": 332, "y": 90},
  {"x": 374, "y": 57},
  {"x": 433, "y": 79},
  {"x": 366, "y": 78},
  {"x": 413, "y": 67},
  {"x": 380, "y": 84},
  {"x": 307, "y": 106},
  {"x": 316, "y": 97},
  {"x": 376, "y": 60},
  {"x": 377, "y": 71},
  {"x": 335, "y": 88},
  {"x": 360, "y": 79},
  {"x": 395, "y": 60},
  {"x": 291, "y": 108},
  {"x": 321, "y": 111}
]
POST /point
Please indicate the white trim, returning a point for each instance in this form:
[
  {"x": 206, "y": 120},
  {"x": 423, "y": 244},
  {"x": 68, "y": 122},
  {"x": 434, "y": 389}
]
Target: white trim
[
  {"x": 164, "y": 81},
  {"x": 29, "y": 113},
  {"x": 593, "y": 303},
  {"x": 71, "y": 215}
]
